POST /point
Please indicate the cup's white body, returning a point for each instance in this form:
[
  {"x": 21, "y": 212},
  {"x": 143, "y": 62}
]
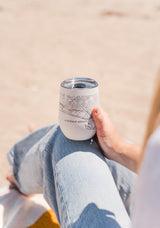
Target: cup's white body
[{"x": 75, "y": 110}]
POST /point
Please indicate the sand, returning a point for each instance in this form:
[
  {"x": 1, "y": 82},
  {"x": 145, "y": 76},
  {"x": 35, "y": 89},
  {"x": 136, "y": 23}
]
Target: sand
[{"x": 43, "y": 42}]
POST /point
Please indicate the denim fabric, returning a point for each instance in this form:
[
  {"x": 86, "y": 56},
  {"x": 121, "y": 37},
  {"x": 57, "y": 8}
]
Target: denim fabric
[
  {"x": 84, "y": 188},
  {"x": 125, "y": 181}
]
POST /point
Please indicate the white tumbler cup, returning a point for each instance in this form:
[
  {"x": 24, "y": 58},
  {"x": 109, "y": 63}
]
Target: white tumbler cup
[{"x": 78, "y": 96}]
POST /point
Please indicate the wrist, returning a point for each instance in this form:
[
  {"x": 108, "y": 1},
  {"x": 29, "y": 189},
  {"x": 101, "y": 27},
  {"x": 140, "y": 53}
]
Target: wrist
[
  {"x": 131, "y": 153},
  {"x": 126, "y": 154}
]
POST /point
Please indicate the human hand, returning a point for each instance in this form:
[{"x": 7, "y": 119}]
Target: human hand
[
  {"x": 112, "y": 144},
  {"x": 13, "y": 183},
  {"x": 108, "y": 137}
]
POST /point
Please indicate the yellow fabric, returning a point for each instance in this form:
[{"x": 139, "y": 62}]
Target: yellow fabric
[{"x": 47, "y": 220}]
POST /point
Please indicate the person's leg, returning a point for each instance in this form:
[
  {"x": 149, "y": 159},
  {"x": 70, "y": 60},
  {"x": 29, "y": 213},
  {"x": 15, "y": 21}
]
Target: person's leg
[
  {"x": 125, "y": 182},
  {"x": 28, "y": 158},
  {"x": 86, "y": 193},
  {"x": 73, "y": 176}
]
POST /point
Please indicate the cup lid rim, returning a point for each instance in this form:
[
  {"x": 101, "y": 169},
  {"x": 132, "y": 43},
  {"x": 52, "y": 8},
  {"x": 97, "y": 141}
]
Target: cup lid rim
[{"x": 86, "y": 79}]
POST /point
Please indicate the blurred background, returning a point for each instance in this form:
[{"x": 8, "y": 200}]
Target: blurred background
[{"x": 117, "y": 42}]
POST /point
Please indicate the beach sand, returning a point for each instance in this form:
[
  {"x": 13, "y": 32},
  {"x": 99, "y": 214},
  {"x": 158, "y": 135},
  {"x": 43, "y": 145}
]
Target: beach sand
[{"x": 43, "y": 42}]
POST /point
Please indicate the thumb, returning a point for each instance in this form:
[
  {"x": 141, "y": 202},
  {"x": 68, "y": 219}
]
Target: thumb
[{"x": 99, "y": 119}]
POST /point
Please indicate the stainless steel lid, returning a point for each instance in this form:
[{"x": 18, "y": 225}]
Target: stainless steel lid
[{"x": 79, "y": 83}]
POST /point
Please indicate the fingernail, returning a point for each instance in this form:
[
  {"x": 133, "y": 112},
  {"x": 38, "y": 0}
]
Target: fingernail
[{"x": 95, "y": 111}]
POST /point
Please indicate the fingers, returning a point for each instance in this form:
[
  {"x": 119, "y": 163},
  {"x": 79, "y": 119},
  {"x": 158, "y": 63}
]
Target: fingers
[
  {"x": 11, "y": 179},
  {"x": 13, "y": 185}
]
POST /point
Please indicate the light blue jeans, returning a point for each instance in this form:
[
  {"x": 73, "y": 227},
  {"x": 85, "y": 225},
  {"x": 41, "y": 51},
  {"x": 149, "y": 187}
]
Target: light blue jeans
[{"x": 83, "y": 187}]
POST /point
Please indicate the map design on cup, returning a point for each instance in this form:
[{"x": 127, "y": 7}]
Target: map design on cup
[{"x": 78, "y": 96}]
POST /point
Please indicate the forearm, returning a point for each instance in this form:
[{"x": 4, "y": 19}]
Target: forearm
[{"x": 129, "y": 155}]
